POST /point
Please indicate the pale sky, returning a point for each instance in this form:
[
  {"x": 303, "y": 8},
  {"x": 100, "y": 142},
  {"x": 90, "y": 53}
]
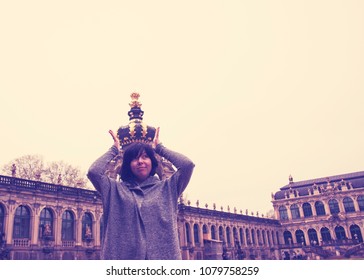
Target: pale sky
[{"x": 251, "y": 91}]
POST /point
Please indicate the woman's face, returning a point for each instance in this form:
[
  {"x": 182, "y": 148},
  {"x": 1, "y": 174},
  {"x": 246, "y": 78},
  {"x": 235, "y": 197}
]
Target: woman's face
[{"x": 141, "y": 167}]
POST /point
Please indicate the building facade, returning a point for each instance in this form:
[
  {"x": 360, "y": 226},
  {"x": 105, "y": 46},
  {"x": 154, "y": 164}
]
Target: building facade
[
  {"x": 322, "y": 218},
  {"x": 213, "y": 234},
  {"x": 314, "y": 219},
  {"x": 46, "y": 221}
]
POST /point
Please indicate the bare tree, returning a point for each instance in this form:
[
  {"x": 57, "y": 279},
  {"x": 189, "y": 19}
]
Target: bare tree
[
  {"x": 270, "y": 214},
  {"x": 28, "y": 167},
  {"x": 59, "y": 172},
  {"x": 32, "y": 167}
]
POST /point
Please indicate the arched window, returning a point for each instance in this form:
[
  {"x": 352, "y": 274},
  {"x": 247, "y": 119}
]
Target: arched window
[
  {"x": 253, "y": 236},
  {"x": 300, "y": 237},
  {"x": 228, "y": 235},
  {"x": 221, "y": 234},
  {"x": 348, "y": 205},
  {"x": 46, "y": 223},
  {"x": 68, "y": 226},
  {"x": 312, "y": 236},
  {"x": 21, "y": 222},
  {"x": 277, "y": 238},
  {"x": 325, "y": 234},
  {"x": 247, "y": 235},
  {"x": 268, "y": 239},
  {"x": 259, "y": 241},
  {"x": 356, "y": 233},
  {"x": 340, "y": 233},
  {"x": 287, "y": 237},
  {"x": 188, "y": 237},
  {"x": 241, "y": 233},
  {"x": 213, "y": 232},
  {"x": 204, "y": 229},
  {"x": 295, "y": 211},
  {"x": 334, "y": 206},
  {"x": 235, "y": 235},
  {"x": 195, "y": 234},
  {"x": 263, "y": 237},
  {"x": 283, "y": 213},
  {"x": 2, "y": 220},
  {"x": 87, "y": 226},
  {"x": 320, "y": 208},
  {"x": 307, "y": 209},
  {"x": 361, "y": 202}
]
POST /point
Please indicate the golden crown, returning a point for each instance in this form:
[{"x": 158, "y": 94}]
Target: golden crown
[{"x": 136, "y": 130}]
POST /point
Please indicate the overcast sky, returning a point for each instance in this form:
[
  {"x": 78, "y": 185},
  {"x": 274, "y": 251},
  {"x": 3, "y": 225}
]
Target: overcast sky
[{"x": 251, "y": 91}]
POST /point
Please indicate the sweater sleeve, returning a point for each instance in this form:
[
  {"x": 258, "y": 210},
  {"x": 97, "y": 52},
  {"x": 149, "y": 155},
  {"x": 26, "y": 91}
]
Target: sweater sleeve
[
  {"x": 97, "y": 171},
  {"x": 184, "y": 165}
]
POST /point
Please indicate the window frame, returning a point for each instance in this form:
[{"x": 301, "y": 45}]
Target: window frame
[{"x": 21, "y": 224}]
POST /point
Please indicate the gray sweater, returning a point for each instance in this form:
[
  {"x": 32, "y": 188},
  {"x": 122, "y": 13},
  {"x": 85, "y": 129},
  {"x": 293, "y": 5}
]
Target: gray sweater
[{"x": 140, "y": 221}]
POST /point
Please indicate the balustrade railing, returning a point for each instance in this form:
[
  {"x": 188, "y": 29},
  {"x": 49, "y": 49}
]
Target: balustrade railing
[
  {"x": 6, "y": 181},
  {"x": 68, "y": 244},
  {"x": 21, "y": 242}
]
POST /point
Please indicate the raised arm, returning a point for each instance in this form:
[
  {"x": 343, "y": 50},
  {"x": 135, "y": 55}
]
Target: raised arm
[
  {"x": 97, "y": 171},
  {"x": 183, "y": 164}
]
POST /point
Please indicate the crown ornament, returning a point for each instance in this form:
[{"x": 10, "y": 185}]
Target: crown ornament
[{"x": 136, "y": 130}]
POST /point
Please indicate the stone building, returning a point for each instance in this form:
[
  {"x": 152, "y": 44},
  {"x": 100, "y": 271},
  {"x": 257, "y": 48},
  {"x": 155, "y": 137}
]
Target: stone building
[
  {"x": 218, "y": 234},
  {"x": 46, "y": 221},
  {"x": 314, "y": 219},
  {"x": 323, "y": 217}
]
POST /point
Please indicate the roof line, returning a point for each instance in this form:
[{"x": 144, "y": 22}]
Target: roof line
[{"x": 334, "y": 178}]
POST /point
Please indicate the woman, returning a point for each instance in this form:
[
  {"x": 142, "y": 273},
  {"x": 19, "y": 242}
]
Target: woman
[{"x": 140, "y": 211}]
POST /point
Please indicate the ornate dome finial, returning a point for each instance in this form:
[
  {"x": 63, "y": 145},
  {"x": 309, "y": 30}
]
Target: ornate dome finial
[
  {"x": 135, "y": 113},
  {"x": 134, "y": 100}
]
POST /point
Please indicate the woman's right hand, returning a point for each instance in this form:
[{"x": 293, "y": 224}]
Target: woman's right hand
[
  {"x": 156, "y": 140},
  {"x": 115, "y": 138}
]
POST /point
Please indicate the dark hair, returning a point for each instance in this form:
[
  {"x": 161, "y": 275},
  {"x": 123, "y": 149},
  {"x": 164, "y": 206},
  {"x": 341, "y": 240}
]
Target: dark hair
[{"x": 134, "y": 151}]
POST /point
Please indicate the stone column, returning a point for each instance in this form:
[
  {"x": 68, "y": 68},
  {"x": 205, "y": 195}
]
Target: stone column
[
  {"x": 289, "y": 214},
  {"x": 35, "y": 222},
  {"x": 341, "y": 205},
  {"x": 79, "y": 227},
  {"x": 276, "y": 212},
  {"x": 301, "y": 211},
  {"x": 10, "y": 221},
  {"x": 96, "y": 229},
  {"x": 58, "y": 226},
  {"x": 327, "y": 208},
  {"x": 181, "y": 223},
  {"x": 314, "y": 213},
  {"x": 307, "y": 239},
  {"x": 200, "y": 234},
  {"x": 192, "y": 234},
  {"x": 356, "y": 205}
]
